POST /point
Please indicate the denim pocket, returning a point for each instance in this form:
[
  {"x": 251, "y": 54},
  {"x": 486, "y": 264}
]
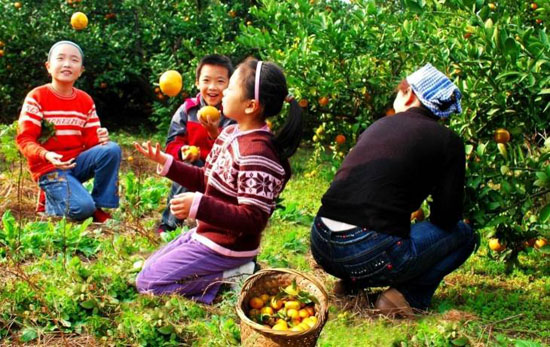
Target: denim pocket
[{"x": 375, "y": 270}]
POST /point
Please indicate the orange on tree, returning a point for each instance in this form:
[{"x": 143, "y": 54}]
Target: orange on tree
[
  {"x": 323, "y": 101},
  {"x": 340, "y": 139},
  {"x": 495, "y": 245},
  {"x": 534, "y": 6},
  {"x": 17, "y": 5},
  {"x": 256, "y": 303},
  {"x": 233, "y": 13},
  {"x": 538, "y": 20},
  {"x": 540, "y": 243},
  {"x": 103, "y": 85},
  {"x": 209, "y": 113},
  {"x": 467, "y": 35},
  {"x": 130, "y": 158},
  {"x": 79, "y": 21},
  {"x": 492, "y": 6},
  {"x": 303, "y": 103},
  {"x": 1, "y": 53},
  {"x": 170, "y": 83},
  {"x": 157, "y": 90},
  {"x": 502, "y": 136},
  {"x": 2, "y": 44}
]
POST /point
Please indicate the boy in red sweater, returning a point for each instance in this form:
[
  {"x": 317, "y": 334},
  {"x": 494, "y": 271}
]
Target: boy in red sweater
[
  {"x": 77, "y": 149},
  {"x": 187, "y": 129}
]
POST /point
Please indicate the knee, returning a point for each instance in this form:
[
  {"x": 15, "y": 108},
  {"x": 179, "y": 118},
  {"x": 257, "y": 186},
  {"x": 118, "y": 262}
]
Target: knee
[
  {"x": 147, "y": 284},
  {"x": 85, "y": 208},
  {"x": 111, "y": 150}
]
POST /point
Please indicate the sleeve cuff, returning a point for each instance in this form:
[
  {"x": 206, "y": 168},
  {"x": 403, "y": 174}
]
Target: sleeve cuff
[
  {"x": 163, "y": 170},
  {"x": 195, "y": 205}
]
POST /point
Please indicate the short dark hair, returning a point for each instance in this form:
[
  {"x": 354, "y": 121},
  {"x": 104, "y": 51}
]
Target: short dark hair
[{"x": 217, "y": 60}]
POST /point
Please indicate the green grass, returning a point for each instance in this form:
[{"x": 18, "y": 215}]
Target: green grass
[{"x": 57, "y": 286}]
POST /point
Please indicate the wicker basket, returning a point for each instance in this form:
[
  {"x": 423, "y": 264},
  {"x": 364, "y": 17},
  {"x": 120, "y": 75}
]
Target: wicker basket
[{"x": 254, "y": 334}]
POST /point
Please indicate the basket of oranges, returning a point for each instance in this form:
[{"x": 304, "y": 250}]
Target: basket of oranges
[{"x": 281, "y": 307}]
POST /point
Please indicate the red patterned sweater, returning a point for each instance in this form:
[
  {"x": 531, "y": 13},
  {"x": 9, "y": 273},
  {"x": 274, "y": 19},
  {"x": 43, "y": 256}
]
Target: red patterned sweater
[
  {"x": 75, "y": 121},
  {"x": 240, "y": 182}
]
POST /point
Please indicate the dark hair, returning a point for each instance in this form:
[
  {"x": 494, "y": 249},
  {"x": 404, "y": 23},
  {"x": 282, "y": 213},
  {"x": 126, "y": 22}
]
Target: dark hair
[
  {"x": 273, "y": 92},
  {"x": 217, "y": 60}
]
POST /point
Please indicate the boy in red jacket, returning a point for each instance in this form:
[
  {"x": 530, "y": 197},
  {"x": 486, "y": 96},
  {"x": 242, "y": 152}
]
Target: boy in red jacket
[
  {"x": 77, "y": 148},
  {"x": 187, "y": 129}
]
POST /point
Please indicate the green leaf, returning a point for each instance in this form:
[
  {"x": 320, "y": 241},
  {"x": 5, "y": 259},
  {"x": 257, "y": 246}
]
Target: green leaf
[
  {"x": 461, "y": 341},
  {"x": 545, "y": 91},
  {"x": 166, "y": 330},
  {"x": 28, "y": 334},
  {"x": 88, "y": 304},
  {"x": 544, "y": 214}
]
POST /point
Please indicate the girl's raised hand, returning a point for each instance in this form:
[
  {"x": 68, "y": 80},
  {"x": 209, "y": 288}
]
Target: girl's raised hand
[{"x": 153, "y": 153}]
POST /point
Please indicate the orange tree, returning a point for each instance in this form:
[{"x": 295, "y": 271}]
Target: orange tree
[{"x": 343, "y": 61}]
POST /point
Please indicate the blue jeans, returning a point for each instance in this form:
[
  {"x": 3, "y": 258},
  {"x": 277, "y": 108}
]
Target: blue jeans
[
  {"x": 415, "y": 265},
  {"x": 65, "y": 194},
  {"x": 168, "y": 219}
]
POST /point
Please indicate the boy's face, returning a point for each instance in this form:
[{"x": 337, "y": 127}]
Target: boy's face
[
  {"x": 213, "y": 79},
  {"x": 65, "y": 64}
]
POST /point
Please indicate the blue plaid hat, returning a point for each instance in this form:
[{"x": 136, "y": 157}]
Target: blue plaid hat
[{"x": 435, "y": 91}]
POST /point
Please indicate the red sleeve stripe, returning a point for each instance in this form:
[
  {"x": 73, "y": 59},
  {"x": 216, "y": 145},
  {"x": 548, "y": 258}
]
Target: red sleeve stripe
[
  {"x": 94, "y": 124},
  {"x": 29, "y": 100},
  {"x": 66, "y": 113},
  {"x": 68, "y": 133},
  {"x": 26, "y": 118},
  {"x": 32, "y": 110}
]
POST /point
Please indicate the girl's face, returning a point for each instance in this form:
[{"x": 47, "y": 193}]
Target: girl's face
[
  {"x": 212, "y": 81},
  {"x": 400, "y": 102},
  {"x": 234, "y": 103},
  {"x": 65, "y": 64}
]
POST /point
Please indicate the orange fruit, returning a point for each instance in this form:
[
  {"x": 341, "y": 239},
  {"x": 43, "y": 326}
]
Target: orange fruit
[
  {"x": 534, "y": 6},
  {"x": 232, "y": 13},
  {"x": 390, "y": 112},
  {"x": 157, "y": 90},
  {"x": 265, "y": 298},
  {"x": 310, "y": 310},
  {"x": 495, "y": 245},
  {"x": 170, "y": 82},
  {"x": 209, "y": 113},
  {"x": 256, "y": 303},
  {"x": 340, "y": 139},
  {"x": 1, "y": 52},
  {"x": 194, "y": 151},
  {"x": 492, "y": 6},
  {"x": 17, "y": 5},
  {"x": 303, "y": 103},
  {"x": 2, "y": 44},
  {"x": 130, "y": 158},
  {"x": 303, "y": 313},
  {"x": 266, "y": 310},
  {"x": 538, "y": 20},
  {"x": 311, "y": 321},
  {"x": 282, "y": 327},
  {"x": 323, "y": 101},
  {"x": 103, "y": 85},
  {"x": 540, "y": 243},
  {"x": 160, "y": 97},
  {"x": 418, "y": 215},
  {"x": 276, "y": 304},
  {"x": 292, "y": 304},
  {"x": 467, "y": 35},
  {"x": 249, "y": 23},
  {"x": 502, "y": 136},
  {"x": 292, "y": 313},
  {"x": 79, "y": 21}
]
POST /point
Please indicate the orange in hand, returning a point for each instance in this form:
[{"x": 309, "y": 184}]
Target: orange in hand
[{"x": 209, "y": 114}]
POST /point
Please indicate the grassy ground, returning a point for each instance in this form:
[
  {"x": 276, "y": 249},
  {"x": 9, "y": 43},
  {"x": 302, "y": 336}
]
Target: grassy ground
[{"x": 72, "y": 284}]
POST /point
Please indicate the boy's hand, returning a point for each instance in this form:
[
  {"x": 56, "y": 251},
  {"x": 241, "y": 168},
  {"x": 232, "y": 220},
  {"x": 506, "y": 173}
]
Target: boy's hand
[
  {"x": 190, "y": 153},
  {"x": 55, "y": 159},
  {"x": 180, "y": 205},
  {"x": 153, "y": 153},
  {"x": 102, "y": 135},
  {"x": 212, "y": 127}
]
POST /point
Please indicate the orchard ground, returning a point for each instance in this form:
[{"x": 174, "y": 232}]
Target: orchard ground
[{"x": 72, "y": 283}]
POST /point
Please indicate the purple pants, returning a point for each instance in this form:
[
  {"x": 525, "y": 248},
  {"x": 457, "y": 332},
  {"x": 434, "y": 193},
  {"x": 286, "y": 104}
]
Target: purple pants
[{"x": 186, "y": 266}]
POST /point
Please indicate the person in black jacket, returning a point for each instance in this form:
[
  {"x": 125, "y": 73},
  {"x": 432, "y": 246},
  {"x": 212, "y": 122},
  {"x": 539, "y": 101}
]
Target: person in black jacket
[{"x": 363, "y": 234}]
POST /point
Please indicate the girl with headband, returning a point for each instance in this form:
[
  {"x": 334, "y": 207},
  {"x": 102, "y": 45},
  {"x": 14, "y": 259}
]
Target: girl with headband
[
  {"x": 233, "y": 195},
  {"x": 78, "y": 148}
]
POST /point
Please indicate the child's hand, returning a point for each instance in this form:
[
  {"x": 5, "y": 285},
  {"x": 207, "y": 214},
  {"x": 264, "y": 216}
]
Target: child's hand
[
  {"x": 180, "y": 205},
  {"x": 155, "y": 154},
  {"x": 102, "y": 135},
  {"x": 190, "y": 153},
  {"x": 55, "y": 159},
  {"x": 212, "y": 126}
]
